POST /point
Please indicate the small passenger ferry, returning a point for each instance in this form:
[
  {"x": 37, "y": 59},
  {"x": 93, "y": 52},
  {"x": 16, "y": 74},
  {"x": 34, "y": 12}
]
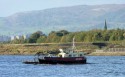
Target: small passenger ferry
[{"x": 68, "y": 56}]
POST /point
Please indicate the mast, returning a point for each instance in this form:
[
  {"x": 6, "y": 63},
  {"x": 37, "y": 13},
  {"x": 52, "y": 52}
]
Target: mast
[{"x": 73, "y": 44}]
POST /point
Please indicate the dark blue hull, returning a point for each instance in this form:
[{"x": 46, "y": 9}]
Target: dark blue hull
[{"x": 67, "y": 60}]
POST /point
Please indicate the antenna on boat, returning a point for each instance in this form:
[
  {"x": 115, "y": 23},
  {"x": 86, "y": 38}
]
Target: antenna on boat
[{"x": 73, "y": 44}]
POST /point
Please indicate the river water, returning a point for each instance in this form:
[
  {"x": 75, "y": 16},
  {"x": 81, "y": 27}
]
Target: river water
[{"x": 97, "y": 66}]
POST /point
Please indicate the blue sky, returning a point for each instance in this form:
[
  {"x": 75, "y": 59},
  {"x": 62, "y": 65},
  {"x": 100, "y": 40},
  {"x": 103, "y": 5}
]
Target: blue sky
[{"x": 9, "y": 7}]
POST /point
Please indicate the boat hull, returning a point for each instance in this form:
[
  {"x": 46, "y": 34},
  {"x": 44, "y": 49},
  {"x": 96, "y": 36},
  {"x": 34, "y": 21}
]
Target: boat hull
[
  {"x": 59, "y": 60},
  {"x": 31, "y": 62}
]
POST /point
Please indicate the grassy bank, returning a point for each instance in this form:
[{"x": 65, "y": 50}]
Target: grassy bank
[
  {"x": 107, "y": 54},
  {"x": 30, "y": 49},
  {"x": 24, "y": 49}
]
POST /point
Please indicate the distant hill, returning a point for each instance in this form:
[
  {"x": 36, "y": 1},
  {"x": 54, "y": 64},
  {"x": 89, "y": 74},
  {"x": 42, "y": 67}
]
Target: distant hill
[{"x": 74, "y": 18}]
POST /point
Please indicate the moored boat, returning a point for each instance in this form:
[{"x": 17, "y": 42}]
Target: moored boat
[
  {"x": 68, "y": 56},
  {"x": 65, "y": 60}
]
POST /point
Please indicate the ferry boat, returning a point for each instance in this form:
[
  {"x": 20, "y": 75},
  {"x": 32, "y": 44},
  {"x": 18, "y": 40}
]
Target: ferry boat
[{"x": 68, "y": 56}]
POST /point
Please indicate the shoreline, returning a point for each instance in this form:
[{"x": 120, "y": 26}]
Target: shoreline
[
  {"x": 32, "y": 49},
  {"x": 107, "y": 54},
  {"x": 91, "y": 54}
]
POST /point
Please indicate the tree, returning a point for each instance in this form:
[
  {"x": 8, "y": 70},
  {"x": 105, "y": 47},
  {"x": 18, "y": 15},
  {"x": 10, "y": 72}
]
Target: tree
[
  {"x": 33, "y": 38},
  {"x": 112, "y": 37},
  {"x": 88, "y": 37},
  {"x": 97, "y": 36},
  {"x": 68, "y": 37},
  {"x": 80, "y": 36},
  {"x": 41, "y": 39},
  {"x": 106, "y": 36},
  {"x": 62, "y": 33}
]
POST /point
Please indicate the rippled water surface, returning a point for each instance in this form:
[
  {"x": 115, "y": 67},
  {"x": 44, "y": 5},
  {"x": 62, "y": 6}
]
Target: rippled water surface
[{"x": 98, "y": 66}]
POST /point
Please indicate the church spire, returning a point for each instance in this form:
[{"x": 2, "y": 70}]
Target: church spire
[{"x": 105, "y": 27}]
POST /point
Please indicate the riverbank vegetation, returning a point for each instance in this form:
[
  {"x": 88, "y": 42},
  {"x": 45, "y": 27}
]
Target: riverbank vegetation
[
  {"x": 86, "y": 41},
  {"x": 63, "y": 36}
]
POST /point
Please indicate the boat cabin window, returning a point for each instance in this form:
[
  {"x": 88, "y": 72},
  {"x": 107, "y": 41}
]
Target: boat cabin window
[
  {"x": 60, "y": 55},
  {"x": 70, "y": 55},
  {"x": 80, "y": 55},
  {"x": 74, "y": 55}
]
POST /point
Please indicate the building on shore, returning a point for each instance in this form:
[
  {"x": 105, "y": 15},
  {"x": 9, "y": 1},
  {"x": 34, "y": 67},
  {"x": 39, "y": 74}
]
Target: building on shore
[
  {"x": 20, "y": 37},
  {"x": 4, "y": 38}
]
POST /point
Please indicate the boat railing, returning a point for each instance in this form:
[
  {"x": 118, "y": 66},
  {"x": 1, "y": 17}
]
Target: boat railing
[
  {"x": 35, "y": 59},
  {"x": 42, "y": 56}
]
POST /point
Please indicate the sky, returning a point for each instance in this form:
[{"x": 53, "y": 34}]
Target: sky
[{"x": 9, "y": 7}]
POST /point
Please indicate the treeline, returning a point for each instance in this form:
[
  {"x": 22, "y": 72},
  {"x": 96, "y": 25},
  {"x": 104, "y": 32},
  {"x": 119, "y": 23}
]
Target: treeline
[{"x": 64, "y": 36}]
